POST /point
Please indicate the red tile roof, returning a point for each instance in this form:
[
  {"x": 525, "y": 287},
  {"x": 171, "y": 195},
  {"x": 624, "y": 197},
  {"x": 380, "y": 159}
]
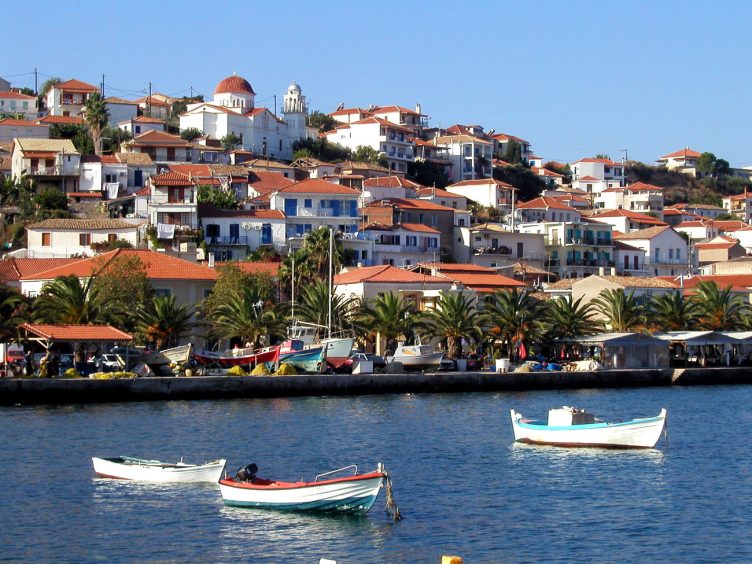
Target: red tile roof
[
  {"x": 723, "y": 280},
  {"x": 544, "y": 202},
  {"x": 484, "y": 282},
  {"x": 17, "y": 268},
  {"x": 73, "y": 120},
  {"x": 9, "y": 94},
  {"x": 589, "y": 179},
  {"x": 458, "y": 267},
  {"x": 20, "y": 123},
  {"x": 385, "y": 274},
  {"x": 438, "y": 193},
  {"x": 394, "y": 108},
  {"x": 506, "y": 137},
  {"x": 265, "y": 181},
  {"x": 317, "y": 186},
  {"x": 391, "y": 182},
  {"x": 383, "y": 122},
  {"x": 632, "y": 215},
  {"x": 74, "y": 85},
  {"x": 482, "y": 182},
  {"x": 409, "y": 203},
  {"x": 159, "y": 266},
  {"x": 76, "y": 333},
  {"x": 417, "y": 227},
  {"x": 270, "y": 268},
  {"x": 636, "y": 187},
  {"x": 159, "y": 138},
  {"x": 648, "y": 233},
  {"x": 233, "y": 84},
  {"x": 171, "y": 179},
  {"x": 681, "y": 153},
  {"x": 603, "y": 161}
]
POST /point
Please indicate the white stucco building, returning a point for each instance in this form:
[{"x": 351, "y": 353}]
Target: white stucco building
[
  {"x": 60, "y": 238},
  {"x": 11, "y": 128},
  {"x": 233, "y": 111},
  {"x": 665, "y": 250},
  {"x": 15, "y": 103},
  {"x": 594, "y": 175},
  {"x": 394, "y": 141},
  {"x": 68, "y": 98}
]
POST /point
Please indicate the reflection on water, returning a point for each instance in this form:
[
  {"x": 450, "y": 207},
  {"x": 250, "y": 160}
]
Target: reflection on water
[{"x": 461, "y": 482}]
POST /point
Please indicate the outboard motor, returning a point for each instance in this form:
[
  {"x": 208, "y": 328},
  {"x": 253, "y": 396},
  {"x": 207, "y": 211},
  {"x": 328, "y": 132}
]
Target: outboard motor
[{"x": 247, "y": 473}]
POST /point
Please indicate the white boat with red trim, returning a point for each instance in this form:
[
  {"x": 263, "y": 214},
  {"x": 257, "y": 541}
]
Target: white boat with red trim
[
  {"x": 572, "y": 427},
  {"x": 128, "y": 468},
  {"x": 349, "y": 494}
]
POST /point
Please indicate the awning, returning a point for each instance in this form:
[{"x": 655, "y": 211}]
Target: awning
[{"x": 48, "y": 334}]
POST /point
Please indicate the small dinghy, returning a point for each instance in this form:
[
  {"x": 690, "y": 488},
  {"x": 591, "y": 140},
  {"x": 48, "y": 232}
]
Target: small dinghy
[
  {"x": 572, "y": 427},
  {"x": 350, "y": 494},
  {"x": 127, "y": 468}
]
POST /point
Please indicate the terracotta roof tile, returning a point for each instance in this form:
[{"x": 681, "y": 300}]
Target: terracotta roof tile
[
  {"x": 159, "y": 266},
  {"x": 75, "y": 333},
  {"x": 317, "y": 186},
  {"x": 544, "y": 202},
  {"x": 270, "y": 268},
  {"x": 391, "y": 182},
  {"x": 16, "y": 268},
  {"x": 634, "y": 216},
  {"x": 71, "y": 120},
  {"x": 686, "y": 152},
  {"x": 265, "y": 181},
  {"x": 142, "y": 159},
  {"x": 171, "y": 179},
  {"x": 648, "y": 233},
  {"x": 10, "y": 122},
  {"x": 207, "y": 210},
  {"x": 74, "y": 85},
  {"x": 410, "y": 203},
  {"x": 482, "y": 182},
  {"x": 386, "y": 274},
  {"x": 80, "y": 224}
]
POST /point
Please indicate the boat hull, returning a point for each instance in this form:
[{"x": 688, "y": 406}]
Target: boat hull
[
  {"x": 154, "y": 471},
  {"x": 355, "y": 494},
  {"x": 432, "y": 360},
  {"x": 307, "y": 360},
  {"x": 230, "y": 360},
  {"x": 638, "y": 433}
]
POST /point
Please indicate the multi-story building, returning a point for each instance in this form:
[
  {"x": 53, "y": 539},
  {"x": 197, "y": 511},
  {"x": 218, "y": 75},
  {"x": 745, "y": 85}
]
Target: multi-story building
[
  {"x": 596, "y": 174},
  {"x": 638, "y": 197},
  {"x": 172, "y": 202},
  {"x": 232, "y": 234},
  {"x": 490, "y": 245},
  {"x": 402, "y": 244},
  {"x": 313, "y": 203},
  {"x": 626, "y": 221},
  {"x": 470, "y": 157},
  {"x": 68, "y": 98},
  {"x": 161, "y": 146},
  {"x": 487, "y": 192},
  {"x": 394, "y": 141},
  {"x": 739, "y": 205},
  {"x": 10, "y": 128},
  {"x": 666, "y": 252},
  {"x": 544, "y": 209},
  {"x": 120, "y": 110},
  {"x": 683, "y": 160},
  {"x": 16, "y": 104},
  {"x": 56, "y": 238},
  {"x": 574, "y": 249},
  {"x": 501, "y": 145},
  {"x": 51, "y": 163}
]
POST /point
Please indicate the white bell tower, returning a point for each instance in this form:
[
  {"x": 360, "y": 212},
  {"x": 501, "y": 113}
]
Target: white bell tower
[{"x": 295, "y": 110}]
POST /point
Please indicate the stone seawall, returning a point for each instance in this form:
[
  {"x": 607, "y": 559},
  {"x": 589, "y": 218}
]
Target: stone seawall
[
  {"x": 64, "y": 391},
  {"x": 37, "y": 391}
]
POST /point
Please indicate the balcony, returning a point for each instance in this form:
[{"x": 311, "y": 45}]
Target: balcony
[
  {"x": 662, "y": 260},
  {"x": 159, "y": 199},
  {"x": 491, "y": 250},
  {"x": 224, "y": 240},
  {"x": 590, "y": 263},
  {"x": 54, "y": 171}
]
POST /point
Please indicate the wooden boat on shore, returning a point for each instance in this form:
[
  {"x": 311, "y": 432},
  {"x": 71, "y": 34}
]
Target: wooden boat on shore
[
  {"x": 571, "y": 427},
  {"x": 127, "y": 468},
  {"x": 349, "y": 494},
  {"x": 237, "y": 357},
  {"x": 416, "y": 356}
]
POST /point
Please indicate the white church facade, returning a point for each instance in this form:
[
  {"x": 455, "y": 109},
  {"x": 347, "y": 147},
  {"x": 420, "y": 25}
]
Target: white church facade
[{"x": 233, "y": 111}]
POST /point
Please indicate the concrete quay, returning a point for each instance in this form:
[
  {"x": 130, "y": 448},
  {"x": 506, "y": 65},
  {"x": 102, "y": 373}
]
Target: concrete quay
[{"x": 71, "y": 391}]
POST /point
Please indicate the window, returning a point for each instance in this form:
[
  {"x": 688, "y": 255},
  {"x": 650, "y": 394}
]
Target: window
[
  {"x": 137, "y": 128},
  {"x": 162, "y": 292},
  {"x": 111, "y": 237},
  {"x": 46, "y": 239},
  {"x": 461, "y": 222},
  {"x": 434, "y": 220},
  {"x": 84, "y": 239},
  {"x": 308, "y": 203}
]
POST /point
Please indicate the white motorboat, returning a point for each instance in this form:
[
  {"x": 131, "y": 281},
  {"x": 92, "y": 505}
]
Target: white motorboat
[
  {"x": 127, "y": 468},
  {"x": 416, "y": 356},
  {"x": 571, "y": 427}
]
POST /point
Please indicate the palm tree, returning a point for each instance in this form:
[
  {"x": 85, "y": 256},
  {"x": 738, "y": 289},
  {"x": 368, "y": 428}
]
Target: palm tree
[
  {"x": 12, "y": 305},
  {"x": 717, "y": 310},
  {"x": 569, "y": 318},
  {"x": 313, "y": 307},
  {"x": 622, "y": 312},
  {"x": 163, "y": 322},
  {"x": 316, "y": 253},
  {"x": 672, "y": 312},
  {"x": 388, "y": 315},
  {"x": 248, "y": 316},
  {"x": 96, "y": 117},
  {"x": 74, "y": 301},
  {"x": 513, "y": 317},
  {"x": 454, "y": 318}
]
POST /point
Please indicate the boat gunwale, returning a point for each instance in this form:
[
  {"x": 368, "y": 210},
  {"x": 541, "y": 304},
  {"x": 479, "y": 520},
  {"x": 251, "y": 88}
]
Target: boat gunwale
[
  {"x": 538, "y": 424},
  {"x": 277, "y": 485}
]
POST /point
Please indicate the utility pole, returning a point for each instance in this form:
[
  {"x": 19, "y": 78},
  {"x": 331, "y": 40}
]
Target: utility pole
[
  {"x": 148, "y": 101},
  {"x": 36, "y": 79},
  {"x": 102, "y": 85},
  {"x": 275, "y": 104},
  {"x": 191, "y": 91}
]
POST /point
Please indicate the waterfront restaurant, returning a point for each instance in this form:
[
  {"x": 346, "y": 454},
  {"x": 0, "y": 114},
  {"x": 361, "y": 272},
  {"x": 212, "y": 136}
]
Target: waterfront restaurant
[
  {"x": 704, "y": 348},
  {"x": 621, "y": 350}
]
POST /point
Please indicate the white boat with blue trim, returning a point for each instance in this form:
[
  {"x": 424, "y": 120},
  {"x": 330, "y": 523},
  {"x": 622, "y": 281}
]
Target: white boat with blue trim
[
  {"x": 128, "y": 468},
  {"x": 349, "y": 494},
  {"x": 572, "y": 427}
]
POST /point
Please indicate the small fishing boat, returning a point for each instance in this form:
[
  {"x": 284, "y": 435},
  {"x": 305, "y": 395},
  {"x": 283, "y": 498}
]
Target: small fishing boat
[
  {"x": 350, "y": 494},
  {"x": 338, "y": 349},
  {"x": 313, "y": 359},
  {"x": 572, "y": 427},
  {"x": 237, "y": 357},
  {"x": 416, "y": 356},
  {"x": 128, "y": 468}
]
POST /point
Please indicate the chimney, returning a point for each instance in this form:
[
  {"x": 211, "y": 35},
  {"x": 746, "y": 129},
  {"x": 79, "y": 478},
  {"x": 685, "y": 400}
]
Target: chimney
[
  {"x": 601, "y": 271},
  {"x": 418, "y": 108},
  {"x": 211, "y": 260},
  {"x": 613, "y": 271}
]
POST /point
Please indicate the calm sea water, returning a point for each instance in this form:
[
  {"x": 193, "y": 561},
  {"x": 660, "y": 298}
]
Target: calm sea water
[{"x": 461, "y": 483}]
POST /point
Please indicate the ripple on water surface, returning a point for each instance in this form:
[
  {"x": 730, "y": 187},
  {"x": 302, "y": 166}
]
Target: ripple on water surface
[{"x": 464, "y": 486}]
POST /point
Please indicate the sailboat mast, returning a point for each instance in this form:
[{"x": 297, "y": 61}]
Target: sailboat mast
[
  {"x": 292, "y": 289},
  {"x": 331, "y": 254}
]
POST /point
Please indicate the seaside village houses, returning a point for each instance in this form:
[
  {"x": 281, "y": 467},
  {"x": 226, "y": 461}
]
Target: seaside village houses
[{"x": 594, "y": 227}]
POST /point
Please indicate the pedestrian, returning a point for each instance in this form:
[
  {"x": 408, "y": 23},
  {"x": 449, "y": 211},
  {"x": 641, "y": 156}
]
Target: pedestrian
[{"x": 29, "y": 368}]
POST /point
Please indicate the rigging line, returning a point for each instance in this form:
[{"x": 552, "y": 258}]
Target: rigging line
[{"x": 19, "y": 74}]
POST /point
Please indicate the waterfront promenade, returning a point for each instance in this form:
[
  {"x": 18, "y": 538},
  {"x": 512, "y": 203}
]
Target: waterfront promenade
[{"x": 65, "y": 391}]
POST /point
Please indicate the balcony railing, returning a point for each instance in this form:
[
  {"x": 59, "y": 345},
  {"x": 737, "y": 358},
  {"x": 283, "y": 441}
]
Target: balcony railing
[
  {"x": 226, "y": 240},
  {"x": 665, "y": 260},
  {"x": 54, "y": 171},
  {"x": 590, "y": 263},
  {"x": 165, "y": 199}
]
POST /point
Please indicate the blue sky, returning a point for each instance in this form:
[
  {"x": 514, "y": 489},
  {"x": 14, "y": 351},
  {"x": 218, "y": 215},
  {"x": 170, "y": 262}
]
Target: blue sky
[{"x": 574, "y": 78}]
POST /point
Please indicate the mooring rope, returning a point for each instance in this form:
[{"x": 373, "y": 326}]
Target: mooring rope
[{"x": 391, "y": 507}]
